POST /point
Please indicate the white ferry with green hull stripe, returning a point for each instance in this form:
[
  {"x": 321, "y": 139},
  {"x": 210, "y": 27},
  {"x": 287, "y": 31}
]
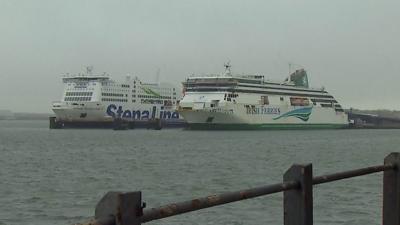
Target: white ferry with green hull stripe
[{"x": 251, "y": 102}]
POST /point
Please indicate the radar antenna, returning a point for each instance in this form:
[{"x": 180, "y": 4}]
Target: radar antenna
[
  {"x": 228, "y": 68},
  {"x": 89, "y": 69}
]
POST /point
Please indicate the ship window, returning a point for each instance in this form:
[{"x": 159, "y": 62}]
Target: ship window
[
  {"x": 281, "y": 98},
  {"x": 326, "y": 105},
  {"x": 264, "y": 100},
  {"x": 296, "y": 101},
  {"x": 338, "y": 106}
]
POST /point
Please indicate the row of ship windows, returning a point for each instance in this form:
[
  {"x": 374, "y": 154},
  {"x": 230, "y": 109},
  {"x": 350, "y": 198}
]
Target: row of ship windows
[
  {"x": 112, "y": 94},
  {"x": 114, "y": 100},
  {"x": 77, "y": 99},
  {"x": 297, "y": 101},
  {"x": 155, "y": 97},
  {"x": 80, "y": 84},
  {"x": 152, "y": 101},
  {"x": 114, "y": 90},
  {"x": 78, "y": 94},
  {"x": 294, "y": 101},
  {"x": 158, "y": 91},
  {"x": 133, "y": 91},
  {"x": 117, "y": 85}
]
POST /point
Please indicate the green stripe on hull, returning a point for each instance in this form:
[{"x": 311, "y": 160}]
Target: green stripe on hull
[{"x": 211, "y": 126}]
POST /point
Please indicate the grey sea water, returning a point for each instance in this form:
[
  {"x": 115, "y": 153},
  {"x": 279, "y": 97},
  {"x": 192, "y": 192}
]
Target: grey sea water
[{"x": 57, "y": 176}]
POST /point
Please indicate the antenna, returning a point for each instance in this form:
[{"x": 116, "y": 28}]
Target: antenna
[{"x": 158, "y": 76}]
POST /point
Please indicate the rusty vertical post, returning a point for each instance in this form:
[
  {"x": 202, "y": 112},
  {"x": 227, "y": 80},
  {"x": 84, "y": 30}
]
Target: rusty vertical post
[
  {"x": 130, "y": 208},
  {"x": 298, "y": 203},
  {"x": 391, "y": 191}
]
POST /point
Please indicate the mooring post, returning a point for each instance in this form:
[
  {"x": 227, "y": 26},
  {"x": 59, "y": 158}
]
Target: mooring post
[
  {"x": 117, "y": 208},
  {"x": 391, "y": 191},
  {"x": 298, "y": 203},
  {"x": 130, "y": 208}
]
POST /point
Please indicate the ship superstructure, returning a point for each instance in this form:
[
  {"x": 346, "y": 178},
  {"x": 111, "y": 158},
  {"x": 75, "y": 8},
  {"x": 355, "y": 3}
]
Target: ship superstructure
[
  {"x": 251, "y": 102},
  {"x": 98, "y": 98}
]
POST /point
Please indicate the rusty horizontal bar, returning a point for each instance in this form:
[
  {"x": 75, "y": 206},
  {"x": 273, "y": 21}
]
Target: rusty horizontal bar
[
  {"x": 351, "y": 173},
  {"x": 213, "y": 200}
]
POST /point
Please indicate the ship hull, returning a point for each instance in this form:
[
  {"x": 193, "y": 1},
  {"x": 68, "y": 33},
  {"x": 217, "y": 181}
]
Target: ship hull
[
  {"x": 238, "y": 117},
  {"x": 56, "y": 123},
  {"x": 98, "y": 115},
  {"x": 100, "y": 112},
  {"x": 238, "y": 126}
]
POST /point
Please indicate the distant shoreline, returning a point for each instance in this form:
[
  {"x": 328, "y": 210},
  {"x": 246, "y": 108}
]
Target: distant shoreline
[{"x": 8, "y": 115}]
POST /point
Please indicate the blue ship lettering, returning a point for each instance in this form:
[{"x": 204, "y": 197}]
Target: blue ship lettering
[{"x": 118, "y": 112}]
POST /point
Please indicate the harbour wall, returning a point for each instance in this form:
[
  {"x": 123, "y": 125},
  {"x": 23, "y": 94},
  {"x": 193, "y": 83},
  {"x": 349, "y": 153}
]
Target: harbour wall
[{"x": 372, "y": 121}]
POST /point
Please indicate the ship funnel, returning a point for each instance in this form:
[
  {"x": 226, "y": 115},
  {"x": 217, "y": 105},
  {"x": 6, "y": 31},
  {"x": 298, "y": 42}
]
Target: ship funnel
[{"x": 299, "y": 78}]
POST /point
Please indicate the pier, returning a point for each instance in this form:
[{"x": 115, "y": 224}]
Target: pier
[
  {"x": 117, "y": 208},
  {"x": 117, "y": 124},
  {"x": 372, "y": 121}
]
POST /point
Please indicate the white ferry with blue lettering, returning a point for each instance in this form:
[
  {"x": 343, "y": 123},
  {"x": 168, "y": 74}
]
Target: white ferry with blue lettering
[
  {"x": 97, "y": 98},
  {"x": 251, "y": 102}
]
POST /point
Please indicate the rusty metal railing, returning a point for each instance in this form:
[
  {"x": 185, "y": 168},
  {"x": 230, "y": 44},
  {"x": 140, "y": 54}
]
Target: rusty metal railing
[{"x": 117, "y": 208}]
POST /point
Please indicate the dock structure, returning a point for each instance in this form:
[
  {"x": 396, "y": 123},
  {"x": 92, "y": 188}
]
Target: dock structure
[
  {"x": 365, "y": 121},
  {"x": 117, "y": 124},
  {"x": 117, "y": 208}
]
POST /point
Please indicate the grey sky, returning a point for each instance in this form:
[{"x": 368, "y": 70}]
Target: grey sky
[{"x": 351, "y": 47}]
